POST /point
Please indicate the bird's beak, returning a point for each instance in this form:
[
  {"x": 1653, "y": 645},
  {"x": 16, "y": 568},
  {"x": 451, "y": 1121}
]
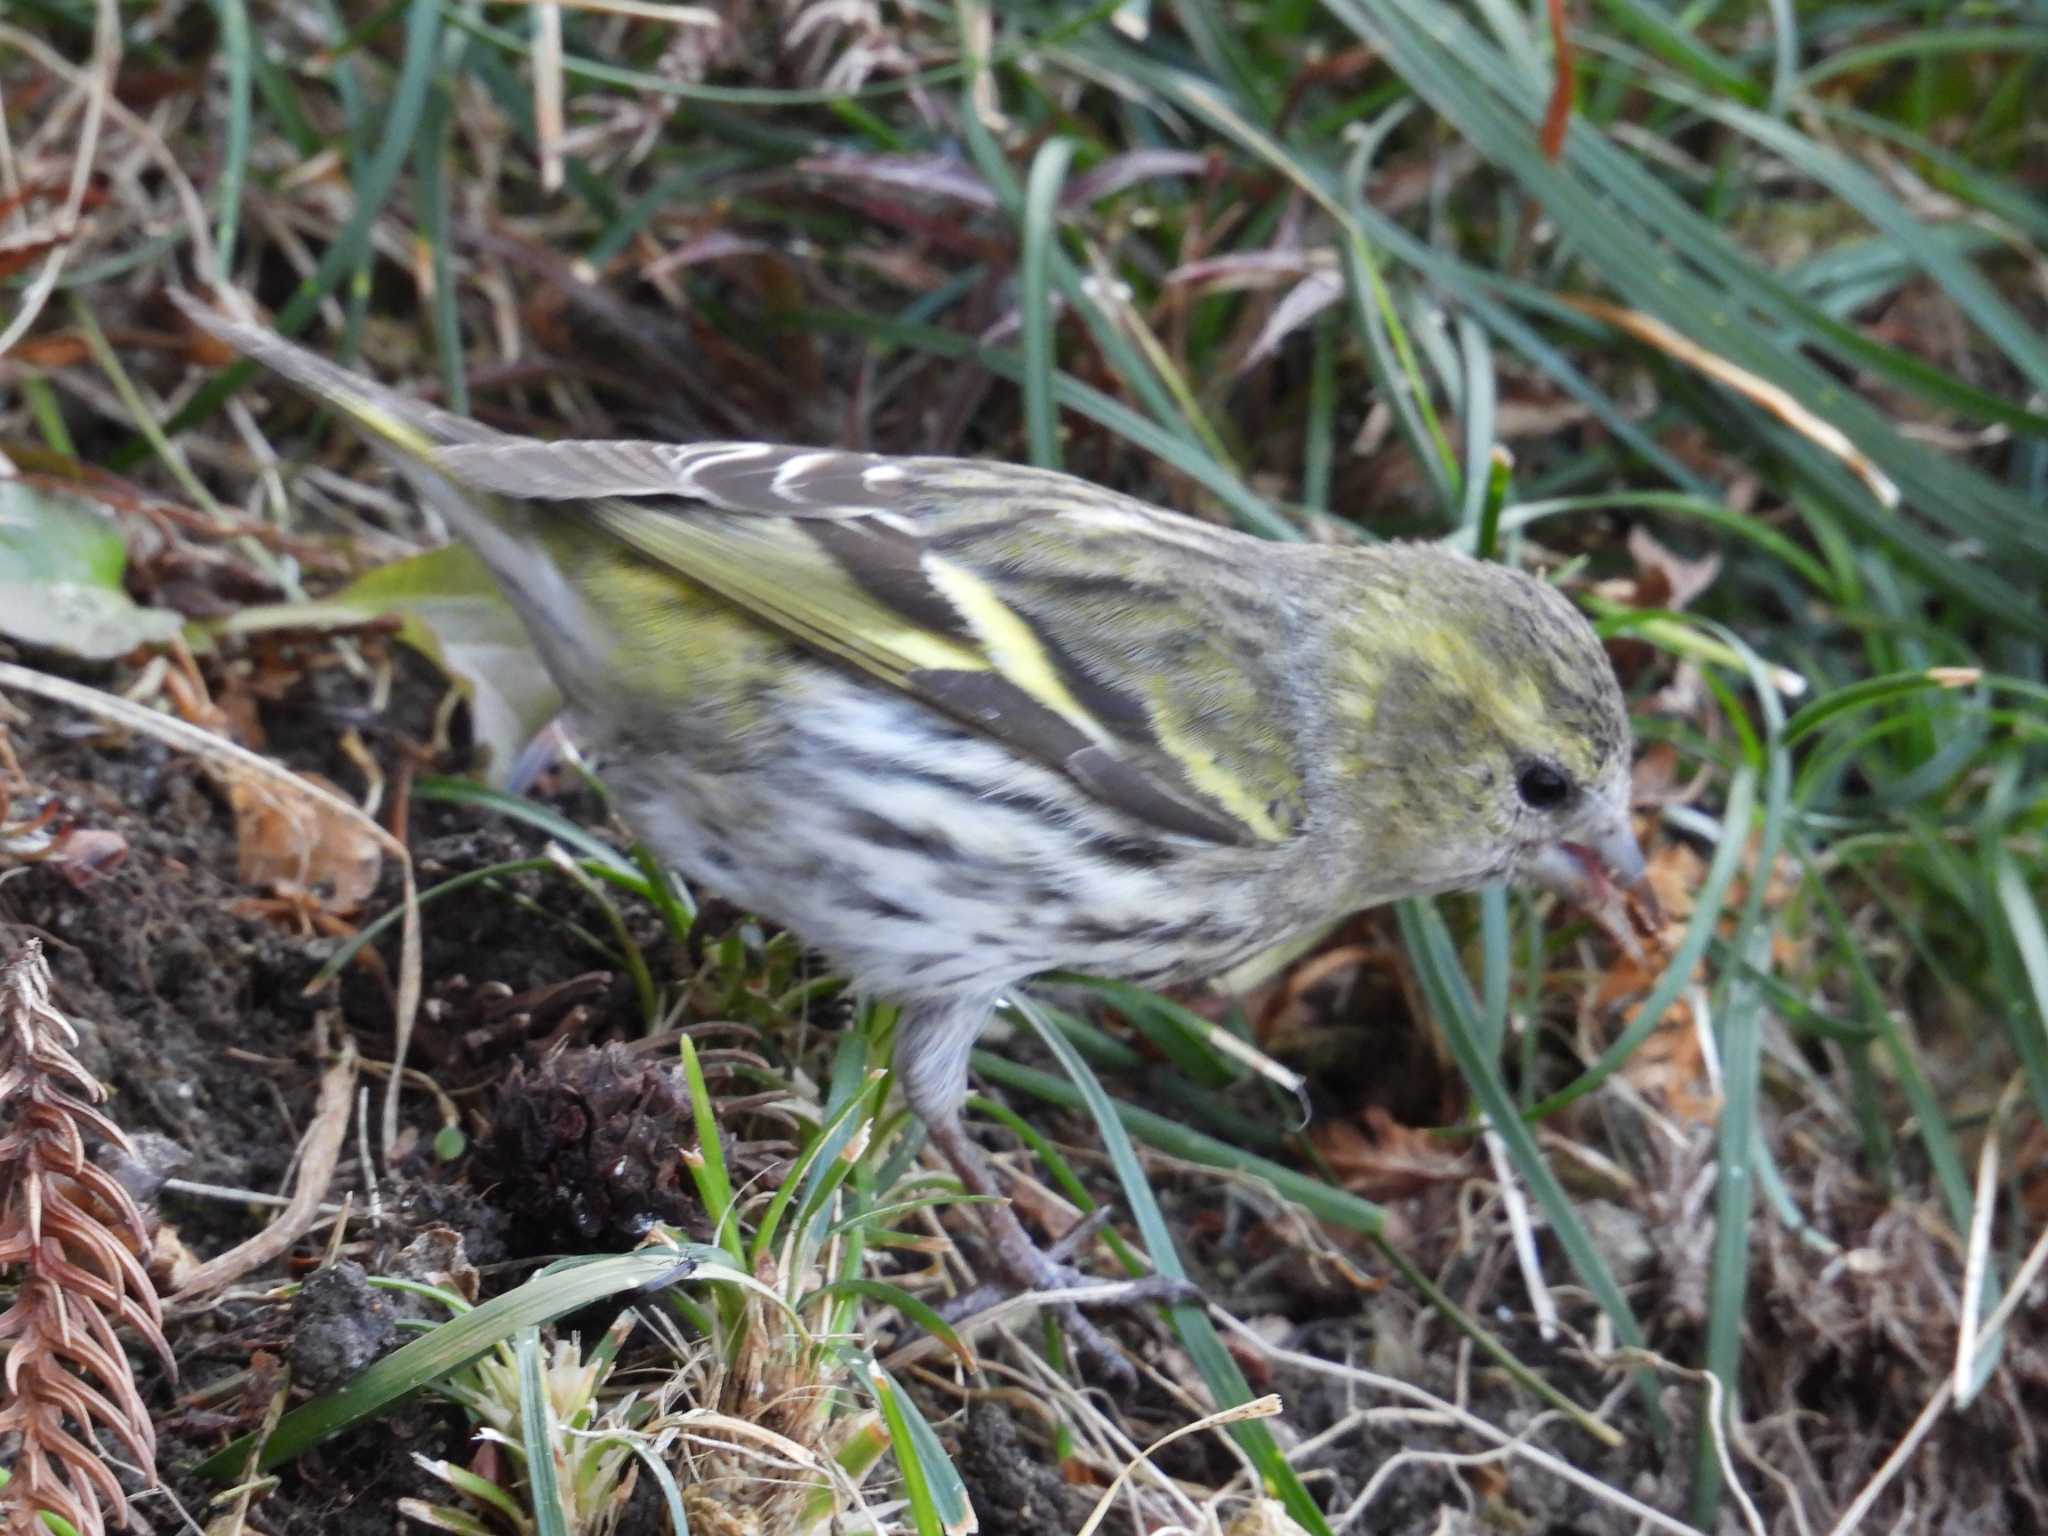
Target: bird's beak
[{"x": 1603, "y": 876}]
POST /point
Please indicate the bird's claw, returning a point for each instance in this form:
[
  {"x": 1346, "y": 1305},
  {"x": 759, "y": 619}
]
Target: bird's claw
[{"x": 1044, "y": 1271}]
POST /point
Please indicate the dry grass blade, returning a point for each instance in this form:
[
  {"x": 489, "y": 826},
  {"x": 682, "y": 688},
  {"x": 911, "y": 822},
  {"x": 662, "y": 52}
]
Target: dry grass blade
[
  {"x": 98, "y": 91},
  {"x": 73, "y": 1233},
  {"x": 1263, "y": 1408},
  {"x": 319, "y": 1155},
  {"x": 1823, "y": 434}
]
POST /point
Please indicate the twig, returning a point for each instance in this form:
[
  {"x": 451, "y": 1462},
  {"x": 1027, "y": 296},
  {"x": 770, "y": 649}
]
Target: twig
[
  {"x": 99, "y": 89},
  {"x": 2022, "y": 1282}
]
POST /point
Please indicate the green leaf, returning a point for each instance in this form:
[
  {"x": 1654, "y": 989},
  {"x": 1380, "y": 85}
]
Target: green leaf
[
  {"x": 938, "y": 1503},
  {"x": 60, "y": 578},
  {"x": 1034, "y": 297}
]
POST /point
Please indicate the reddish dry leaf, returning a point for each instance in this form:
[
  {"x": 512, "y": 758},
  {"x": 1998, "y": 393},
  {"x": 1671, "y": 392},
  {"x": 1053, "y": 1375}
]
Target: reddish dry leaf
[
  {"x": 51, "y": 190},
  {"x": 60, "y": 349},
  {"x": 84, "y": 854},
  {"x": 1557, "y": 115},
  {"x": 1123, "y": 171},
  {"x": 936, "y": 176},
  {"x": 20, "y": 257}
]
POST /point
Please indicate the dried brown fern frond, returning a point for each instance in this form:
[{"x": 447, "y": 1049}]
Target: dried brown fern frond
[{"x": 70, "y": 1234}]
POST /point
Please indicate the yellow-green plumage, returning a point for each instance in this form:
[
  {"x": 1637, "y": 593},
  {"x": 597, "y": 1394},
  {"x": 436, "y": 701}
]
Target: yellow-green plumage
[{"x": 956, "y": 723}]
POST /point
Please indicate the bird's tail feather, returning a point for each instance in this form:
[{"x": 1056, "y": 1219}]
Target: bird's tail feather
[
  {"x": 414, "y": 430},
  {"x": 504, "y": 532}
]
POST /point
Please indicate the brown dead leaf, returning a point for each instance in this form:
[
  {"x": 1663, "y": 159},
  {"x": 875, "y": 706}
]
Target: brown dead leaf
[
  {"x": 293, "y": 843},
  {"x": 205, "y": 351},
  {"x": 1264, "y": 1517},
  {"x": 1753, "y": 387},
  {"x": 1662, "y": 579},
  {"x": 1487, "y": 1479},
  {"x": 1077, "y": 1472},
  {"x": 1665, "y": 579},
  {"x": 1040, "y": 1206},
  {"x": 170, "y": 1261},
  {"x": 1670, "y": 1068},
  {"x": 1382, "y": 1159},
  {"x": 2030, "y": 1172},
  {"x": 1675, "y": 872},
  {"x": 59, "y": 349},
  {"x": 142, "y": 89},
  {"x": 1654, "y": 779}
]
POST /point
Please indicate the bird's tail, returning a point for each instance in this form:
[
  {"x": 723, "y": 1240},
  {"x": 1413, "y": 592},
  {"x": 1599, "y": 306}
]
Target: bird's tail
[
  {"x": 411, "y": 429},
  {"x": 509, "y": 535}
]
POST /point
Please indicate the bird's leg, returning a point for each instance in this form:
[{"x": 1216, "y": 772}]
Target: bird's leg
[
  {"x": 1022, "y": 1259},
  {"x": 932, "y": 1046}
]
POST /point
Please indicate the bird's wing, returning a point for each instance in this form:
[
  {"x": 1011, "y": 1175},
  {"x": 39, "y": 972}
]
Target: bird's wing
[{"x": 1133, "y": 650}]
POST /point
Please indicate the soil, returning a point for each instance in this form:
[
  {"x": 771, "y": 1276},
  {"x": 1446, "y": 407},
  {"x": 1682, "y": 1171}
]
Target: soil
[{"x": 194, "y": 1011}]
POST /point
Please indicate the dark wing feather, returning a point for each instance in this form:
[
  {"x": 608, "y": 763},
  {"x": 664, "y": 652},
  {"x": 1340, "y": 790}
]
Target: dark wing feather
[{"x": 1052, "y": 616}]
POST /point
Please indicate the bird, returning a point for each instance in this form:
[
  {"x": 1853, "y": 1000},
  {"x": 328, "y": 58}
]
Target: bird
[{"x": 957, "y": 723}]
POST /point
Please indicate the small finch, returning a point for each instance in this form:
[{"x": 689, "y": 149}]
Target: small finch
[{"x": 957, "y": 723}]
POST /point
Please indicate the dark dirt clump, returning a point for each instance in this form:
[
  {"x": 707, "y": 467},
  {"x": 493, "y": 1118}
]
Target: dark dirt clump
[
  {"x": 189, "y": 992},
  {"x": 1015, "y": 1492},
  {"x": 339, "y": 1323},
  {"x": 192, "y": 1012}
]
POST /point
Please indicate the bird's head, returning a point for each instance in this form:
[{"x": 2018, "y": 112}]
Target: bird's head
[{"x": 1486, "y": 707}]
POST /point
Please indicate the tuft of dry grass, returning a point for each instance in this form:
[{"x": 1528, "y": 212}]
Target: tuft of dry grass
[{"x": 73, "y": 1235}]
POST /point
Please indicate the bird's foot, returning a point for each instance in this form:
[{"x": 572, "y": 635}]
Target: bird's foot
[{"x": 1045, "y": 1271}]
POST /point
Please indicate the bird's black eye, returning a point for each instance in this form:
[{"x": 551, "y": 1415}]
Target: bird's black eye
[{"x": 1542, "y": 786}]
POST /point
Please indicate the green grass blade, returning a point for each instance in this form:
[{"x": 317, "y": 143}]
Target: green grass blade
[
  {"x": 401, "y": 119},
  {"x": 539, "y": 1437},
  {"x": 918, "y": 1457},
  {"x": 714, "y": 1184},
  {"x": 1034, "y": 298},
  {"x": 554, "y": 1292},
  {"x": 240, "y": 49},
  {"x": 543, "y": 819}
]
